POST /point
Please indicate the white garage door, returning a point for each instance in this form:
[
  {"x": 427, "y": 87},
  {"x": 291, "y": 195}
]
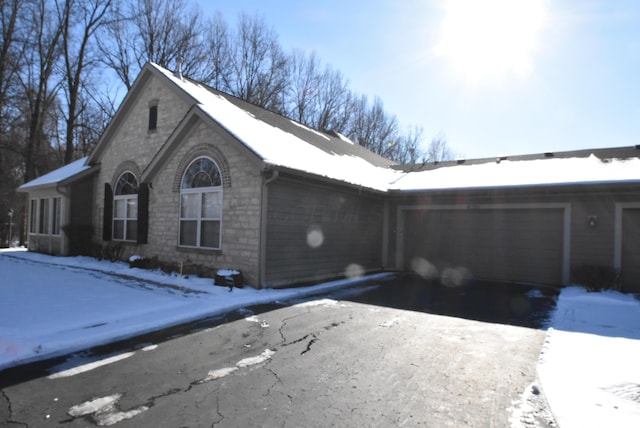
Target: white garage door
[{"x": 512, "y": 244}]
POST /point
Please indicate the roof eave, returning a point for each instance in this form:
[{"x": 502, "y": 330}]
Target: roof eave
[
  {"x": 267, "y": 166},
  {"x": 578, "y": 184},
  {"x": 66, "y": 182}
]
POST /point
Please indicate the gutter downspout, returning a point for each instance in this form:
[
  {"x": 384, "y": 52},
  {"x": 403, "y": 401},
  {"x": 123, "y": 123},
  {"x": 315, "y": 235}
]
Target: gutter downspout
[
  {"x": 263, "y": 228},
  {"x": 385, "y": 235},
  {"x": 66, "y": 201}
]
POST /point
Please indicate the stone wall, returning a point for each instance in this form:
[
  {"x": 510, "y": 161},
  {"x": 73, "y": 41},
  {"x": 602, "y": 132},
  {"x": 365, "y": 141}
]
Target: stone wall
[
  {"x": 133, "y": 143},
  {"x": 133, "y": 147},
  {"x": 240, "y": 210}
]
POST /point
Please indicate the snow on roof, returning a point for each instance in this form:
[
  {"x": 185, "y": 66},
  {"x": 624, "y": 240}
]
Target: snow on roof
[
  {"x": 345, "y": 139},
  {"x": 320, "y": 134},
  {"x": 280, "y": 148},
  {"x": 58, "y": 175},
  {"x": 578, "y": 170}
]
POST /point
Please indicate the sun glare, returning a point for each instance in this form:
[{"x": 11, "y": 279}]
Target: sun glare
[{"x": 491, "y": 38}]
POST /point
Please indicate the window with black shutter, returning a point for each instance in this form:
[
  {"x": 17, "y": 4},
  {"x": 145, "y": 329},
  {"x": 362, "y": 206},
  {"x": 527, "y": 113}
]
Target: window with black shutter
[{"x": 125, "y": 208}]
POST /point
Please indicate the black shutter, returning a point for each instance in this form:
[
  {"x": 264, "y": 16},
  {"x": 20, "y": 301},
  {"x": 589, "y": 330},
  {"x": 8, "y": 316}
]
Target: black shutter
[
  {"x": 107, "y": 218},
  {"x": 143, "y": 212}
]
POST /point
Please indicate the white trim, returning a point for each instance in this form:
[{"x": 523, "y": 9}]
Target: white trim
[
  {"x": 385, "y": 234},
  {"x": 47, "y": 240},
  {"x": 566, "y": 238},
  {"x": 126, "y": 219},
  {"x": 617, "y": 242},
  {"x": 199, "y": 219},
  {"x": 49, "y": 221},
  {"x": 126, "y": 197}
]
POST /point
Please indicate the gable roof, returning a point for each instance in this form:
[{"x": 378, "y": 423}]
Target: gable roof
[
  {"x": 61, "y": 176},
  {"x": 281, "y": 142}
]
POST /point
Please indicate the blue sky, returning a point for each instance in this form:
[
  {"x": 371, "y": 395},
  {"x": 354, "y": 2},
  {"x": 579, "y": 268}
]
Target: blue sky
[{"x": 494, "y": 80}]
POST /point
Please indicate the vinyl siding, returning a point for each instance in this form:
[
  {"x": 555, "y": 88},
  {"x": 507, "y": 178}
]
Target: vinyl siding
[
  {"x": 318, "y": 232},
  {"x": 630, "y": 272},
  {"x": 499, "y": 244}
]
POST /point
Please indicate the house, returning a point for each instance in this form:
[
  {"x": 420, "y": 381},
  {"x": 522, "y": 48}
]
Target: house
[{"x": 189, "y": 174}]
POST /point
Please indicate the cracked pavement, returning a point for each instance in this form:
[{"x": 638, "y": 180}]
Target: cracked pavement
[{"x": 321, "y": 363}]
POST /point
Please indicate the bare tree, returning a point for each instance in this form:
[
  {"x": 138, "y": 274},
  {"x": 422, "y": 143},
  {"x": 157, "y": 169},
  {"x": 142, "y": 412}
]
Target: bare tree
[
  {"x": 407, "y": 147},
  {"x": 81, "y": 20},
  {"x": 257, "y": 71},
  {"x": 91, "y": 122},
  {"x": 334, "y": 102},
  {"x": 14, "y": 31},
  {"x": 374, "y": 129},
  {"x": 38, "y": 88},
  {"x": 116, "y": 44},
  {"x": 438, "y": 150},
  {"x": 217, "y": 46},
  {"x": 304, "y": 86},
  {"x": 11, "y": 49},
  {"x": 159, "y": 31}
]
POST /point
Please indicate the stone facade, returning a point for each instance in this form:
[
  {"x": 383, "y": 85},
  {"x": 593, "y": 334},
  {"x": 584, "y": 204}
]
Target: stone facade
[
  {"x": 133, "y": 143},
  {"x": 240, "y": 210},
  {"x": 133, "y": 146}
]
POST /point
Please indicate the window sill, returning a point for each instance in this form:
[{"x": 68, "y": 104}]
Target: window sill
[
  {"x": 199, "y": 250},
  {"x": 122, "y": 241}
]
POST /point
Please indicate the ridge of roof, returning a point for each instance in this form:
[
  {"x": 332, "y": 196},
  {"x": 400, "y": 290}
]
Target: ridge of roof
[
  {"x": 627, "y": 152},
  {"x": 524, "y": 172}
]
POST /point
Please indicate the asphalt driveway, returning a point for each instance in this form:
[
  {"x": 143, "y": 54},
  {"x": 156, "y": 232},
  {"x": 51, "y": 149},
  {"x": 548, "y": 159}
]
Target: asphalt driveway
[
  {"x": 322, "y": 363},
  {"x": 525, "y": 305}
]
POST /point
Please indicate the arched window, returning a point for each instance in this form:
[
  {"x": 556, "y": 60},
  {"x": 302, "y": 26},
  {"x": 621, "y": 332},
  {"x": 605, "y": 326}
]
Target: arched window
[
  {"x": 201, "y": 205},
  {"x": 125, "y": 208}
]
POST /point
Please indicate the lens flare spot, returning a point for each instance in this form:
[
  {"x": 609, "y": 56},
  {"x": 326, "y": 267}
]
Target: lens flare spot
[
  {"x": 455, "y": 277},
  {"x": 315, "y": 237},
  {"x": 354, "y": 270},
  {"x": 424, "y": 268}
]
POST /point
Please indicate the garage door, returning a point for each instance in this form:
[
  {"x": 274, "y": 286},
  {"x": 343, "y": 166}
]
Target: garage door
[
  {"x": 630, "y": 268},
  {"x": 517, "y": 244}
]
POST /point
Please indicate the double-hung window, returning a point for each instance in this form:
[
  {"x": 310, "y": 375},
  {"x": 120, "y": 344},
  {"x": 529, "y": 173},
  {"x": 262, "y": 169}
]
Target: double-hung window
[
  {"x": 33, "y": 218},
  {"x": 43, "y": 213},
  {"x": 201, "y": 205},
  {"x": 55, "y": 216},
  {"x": 45, "y": 216},
  {"x": 125, "y": 208}
]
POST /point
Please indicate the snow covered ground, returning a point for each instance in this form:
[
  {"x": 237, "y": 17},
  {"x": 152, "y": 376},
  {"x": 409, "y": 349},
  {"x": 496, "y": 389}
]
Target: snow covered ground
[
  {"x": 58, "y": 305},
  {"x": 588, "y": 367}
]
